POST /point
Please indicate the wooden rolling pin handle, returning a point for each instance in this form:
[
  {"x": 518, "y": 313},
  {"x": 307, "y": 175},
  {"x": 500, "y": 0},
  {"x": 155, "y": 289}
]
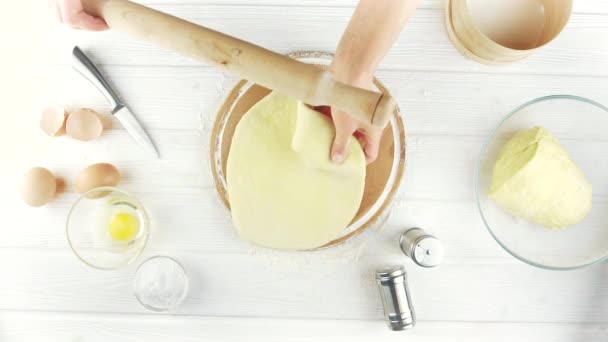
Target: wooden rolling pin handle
[
  {"x": 384, "y": 111},
  {"x": 304, "y": 81}
]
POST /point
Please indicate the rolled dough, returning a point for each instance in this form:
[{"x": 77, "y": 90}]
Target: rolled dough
[
  {"x": 534, "y": 178},
  {"x": 284, "y": 191}
]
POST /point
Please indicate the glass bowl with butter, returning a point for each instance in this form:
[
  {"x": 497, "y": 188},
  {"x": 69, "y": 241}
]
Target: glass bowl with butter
[
  {"x": 107, "y": 228},
  {"x": 541, "y": 182}
]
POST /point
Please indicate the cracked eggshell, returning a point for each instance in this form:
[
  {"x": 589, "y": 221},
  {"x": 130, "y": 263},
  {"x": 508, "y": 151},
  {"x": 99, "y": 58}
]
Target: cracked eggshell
[
  {"x": 52, "y": 120},
  {"x": 84, "y": 124}
]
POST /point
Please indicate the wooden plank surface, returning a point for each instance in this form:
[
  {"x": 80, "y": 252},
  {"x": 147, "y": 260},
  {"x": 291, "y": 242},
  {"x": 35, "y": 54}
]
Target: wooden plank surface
[
  {"x": 265, "y": 283},
  {"x": 423, "y": 45},
  {"x": 449, "y": 104},
  {"x": 446, "y": 103},
  {"x": 28, "y": 326}
]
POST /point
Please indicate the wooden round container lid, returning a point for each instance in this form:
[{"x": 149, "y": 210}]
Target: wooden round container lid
[{"x": 502, "y": 46}]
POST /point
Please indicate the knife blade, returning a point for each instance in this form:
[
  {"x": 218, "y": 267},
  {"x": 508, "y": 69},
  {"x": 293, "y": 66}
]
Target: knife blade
[
  {"x": 82, "y": 64},
  {"x": 132, "y": 126}
]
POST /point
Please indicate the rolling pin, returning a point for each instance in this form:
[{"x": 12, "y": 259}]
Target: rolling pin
[{"x": 309, "y": 83}]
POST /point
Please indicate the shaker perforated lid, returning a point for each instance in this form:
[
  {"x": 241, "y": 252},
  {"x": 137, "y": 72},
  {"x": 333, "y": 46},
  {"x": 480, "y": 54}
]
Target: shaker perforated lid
[{"x": 424, "y": 249}]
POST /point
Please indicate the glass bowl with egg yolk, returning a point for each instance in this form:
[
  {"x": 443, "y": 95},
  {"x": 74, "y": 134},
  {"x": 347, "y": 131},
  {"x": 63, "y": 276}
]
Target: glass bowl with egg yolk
[
  {"x": 580, "y": 127},
  {"x": 107, "y": 228}
]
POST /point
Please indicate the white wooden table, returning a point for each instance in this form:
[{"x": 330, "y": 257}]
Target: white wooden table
[{"x": 240, "y": 292}]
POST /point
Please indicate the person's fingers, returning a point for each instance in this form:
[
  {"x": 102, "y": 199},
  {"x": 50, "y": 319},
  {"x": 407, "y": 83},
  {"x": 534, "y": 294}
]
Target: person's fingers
[
  {"x": 90, "y": 23},
  {"x": 344, "y": 130},
  {"x": 325, "y": 110},
  {"x": 371, "y": 146},
  {"x": 339, "y": 147},
  {"x": 370, "y": 142},
  {"x": 74, "y": 15}
]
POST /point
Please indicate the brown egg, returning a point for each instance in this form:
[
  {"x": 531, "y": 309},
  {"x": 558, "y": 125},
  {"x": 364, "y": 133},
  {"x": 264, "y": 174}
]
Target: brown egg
[
  {"x": 38, "y": 187},
  {"x": 84, "y": 124},
  {"x": 52, "y": 121},
  {"x": 97, "y": 175}
]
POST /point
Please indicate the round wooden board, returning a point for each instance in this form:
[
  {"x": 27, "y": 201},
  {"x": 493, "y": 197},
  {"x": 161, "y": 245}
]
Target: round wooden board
[{"x": 243, "y": 96}]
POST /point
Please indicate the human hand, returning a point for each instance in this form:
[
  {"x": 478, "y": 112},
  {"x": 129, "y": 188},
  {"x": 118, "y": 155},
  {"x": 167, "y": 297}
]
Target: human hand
[
  {"x": 72, "y": 13},
  {"x": 347, "y": 125},
  {"x": 372, "y": 30}
]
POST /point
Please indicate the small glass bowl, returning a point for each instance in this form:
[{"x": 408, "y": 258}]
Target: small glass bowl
[
  {"x": 581, "y": 126},
  {"x": 161, "y": 283},
  {"x": 88, "y": 228}
]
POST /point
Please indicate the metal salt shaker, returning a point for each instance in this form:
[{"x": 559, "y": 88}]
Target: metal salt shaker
[
  {"x": 395, "y": 294},
  {"x": 423, "y": 248}
]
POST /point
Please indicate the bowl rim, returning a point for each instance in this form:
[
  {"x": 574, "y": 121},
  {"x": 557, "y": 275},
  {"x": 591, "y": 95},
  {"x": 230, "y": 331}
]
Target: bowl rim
[
  {"x": 153, "y": 308},
  {"x": 145, "y": 236},
  {"x": 386, "y": 197},
  {"x": 477, "y": 173}
]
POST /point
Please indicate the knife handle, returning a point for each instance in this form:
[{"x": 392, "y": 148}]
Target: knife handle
[{"x": 82, "y": 64}]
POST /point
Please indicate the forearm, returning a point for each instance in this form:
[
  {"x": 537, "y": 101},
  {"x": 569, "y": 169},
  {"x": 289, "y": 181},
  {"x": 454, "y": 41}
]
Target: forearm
[{"x": 372, "y": 30}]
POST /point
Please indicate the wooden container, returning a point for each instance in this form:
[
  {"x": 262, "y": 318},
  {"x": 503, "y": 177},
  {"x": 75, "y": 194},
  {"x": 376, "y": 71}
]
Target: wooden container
[
  {"x": 504, "y": 31},
  {"x": 383, "y": 176}
]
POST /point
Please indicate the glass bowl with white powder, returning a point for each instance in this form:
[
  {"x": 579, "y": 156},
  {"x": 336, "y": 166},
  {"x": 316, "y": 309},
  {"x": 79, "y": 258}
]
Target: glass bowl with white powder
[{"x": 161, "y": 283}]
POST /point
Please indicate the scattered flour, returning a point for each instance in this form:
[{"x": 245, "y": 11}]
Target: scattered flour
[{"x": 345, "y": 253}]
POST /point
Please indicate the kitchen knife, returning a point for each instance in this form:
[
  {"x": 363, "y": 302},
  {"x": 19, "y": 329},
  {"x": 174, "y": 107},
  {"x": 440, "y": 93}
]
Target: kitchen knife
[{"x": 86, "y": 68}]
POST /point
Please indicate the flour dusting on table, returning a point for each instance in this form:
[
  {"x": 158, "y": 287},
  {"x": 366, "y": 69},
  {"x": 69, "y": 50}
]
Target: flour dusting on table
[{"x": 348, "y": 252}]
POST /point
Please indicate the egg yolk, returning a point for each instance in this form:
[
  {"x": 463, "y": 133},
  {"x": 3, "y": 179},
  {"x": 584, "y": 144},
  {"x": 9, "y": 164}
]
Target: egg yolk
[{"x": 123, "y": 227}]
